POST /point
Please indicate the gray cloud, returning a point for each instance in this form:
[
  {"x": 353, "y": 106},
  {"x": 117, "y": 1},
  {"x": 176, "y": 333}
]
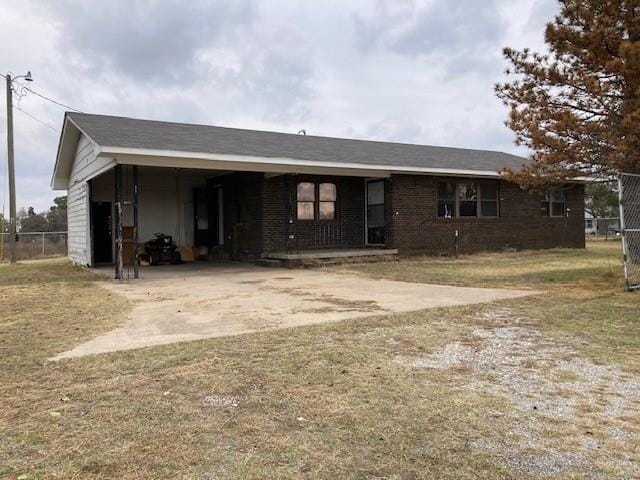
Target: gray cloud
[
  {"x": 273, "y": 76},
  {"x": 147, "y": 40},
  {"x": 406, "y": 70},
  {"x": 542, "y": 12},
  {"x": 465, "y": 34},
  {"x": 392, "y": 130},
  {"x": 452, "y": 27}
]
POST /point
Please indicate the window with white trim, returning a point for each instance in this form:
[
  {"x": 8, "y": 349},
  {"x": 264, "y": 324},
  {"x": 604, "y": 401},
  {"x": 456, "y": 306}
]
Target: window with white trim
[{"x": 555, "y": 203}]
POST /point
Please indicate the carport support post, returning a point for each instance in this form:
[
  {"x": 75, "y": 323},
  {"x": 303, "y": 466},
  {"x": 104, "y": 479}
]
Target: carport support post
[
  {"x": 118, "y": 221},
  {"x": 135, "y": 221}
]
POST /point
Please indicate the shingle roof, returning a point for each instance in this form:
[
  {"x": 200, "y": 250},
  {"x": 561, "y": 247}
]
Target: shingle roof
[{"x": 109, "y": 131}]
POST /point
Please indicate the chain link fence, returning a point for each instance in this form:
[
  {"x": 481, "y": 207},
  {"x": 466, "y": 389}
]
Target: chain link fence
[
  {"x": 629, "y": 191},
  {"x": 602, "y": 228},
  {"x": 35, "y": 245}
]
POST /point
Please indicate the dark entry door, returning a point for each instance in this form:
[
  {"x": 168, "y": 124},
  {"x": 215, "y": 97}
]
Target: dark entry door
[
  {"x": 102, "y": 224},
  {"x": 375, "y": 212},
  {"x": 201, "y": 209},
  {"x": 206, "y": 221}
]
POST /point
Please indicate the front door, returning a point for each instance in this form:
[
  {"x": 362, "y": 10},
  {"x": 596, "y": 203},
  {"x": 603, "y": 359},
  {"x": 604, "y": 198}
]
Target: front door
[
  {"x": 101, "y": 226},
  {"x": 207, "y": 210},
  {"x": 201, "y": 211},
  {"x": 375, "y": 212}
]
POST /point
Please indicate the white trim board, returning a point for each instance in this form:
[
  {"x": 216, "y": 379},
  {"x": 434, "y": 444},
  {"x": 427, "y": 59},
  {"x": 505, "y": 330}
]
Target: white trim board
[{"x": 275, "y": 164}]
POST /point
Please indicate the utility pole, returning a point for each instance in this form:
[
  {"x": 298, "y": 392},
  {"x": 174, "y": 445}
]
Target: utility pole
[
  {"x": 11, "y": 171},
  {"x": 12, "y": 174}
]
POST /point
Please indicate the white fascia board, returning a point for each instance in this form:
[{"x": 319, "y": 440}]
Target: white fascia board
[
  {"x": 58, "y": 183},
  {"x": 217, "y": 165},
  {"x": 292, "y": 163}
]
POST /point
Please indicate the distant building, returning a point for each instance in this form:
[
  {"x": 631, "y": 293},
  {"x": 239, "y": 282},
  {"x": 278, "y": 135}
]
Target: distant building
[{"x": 600, "y": 226}]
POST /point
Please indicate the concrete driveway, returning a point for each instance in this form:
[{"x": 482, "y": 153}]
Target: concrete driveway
[{"x": 202, "y": 300}]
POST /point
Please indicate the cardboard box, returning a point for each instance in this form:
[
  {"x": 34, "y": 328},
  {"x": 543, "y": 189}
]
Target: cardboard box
[{"x": 186, "y": 254}]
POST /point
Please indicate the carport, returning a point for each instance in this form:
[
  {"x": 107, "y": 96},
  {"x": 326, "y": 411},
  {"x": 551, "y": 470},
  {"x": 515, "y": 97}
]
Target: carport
[
  {"x": 227, "y": 215},
  {"x": 130, "y": 204}
]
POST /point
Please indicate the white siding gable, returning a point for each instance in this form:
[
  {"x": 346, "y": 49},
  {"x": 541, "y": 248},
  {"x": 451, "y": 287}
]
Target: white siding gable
[
  {"x": 78, "y": 223},
  {"x": 86, "y": 165}
]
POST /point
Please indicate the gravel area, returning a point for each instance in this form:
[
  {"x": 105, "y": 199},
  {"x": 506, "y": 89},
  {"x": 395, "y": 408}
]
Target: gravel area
[{"x": 569, "y": 415}]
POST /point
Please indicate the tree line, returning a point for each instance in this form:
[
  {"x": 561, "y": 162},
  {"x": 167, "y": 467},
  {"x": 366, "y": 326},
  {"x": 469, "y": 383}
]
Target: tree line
[{"x": 52, "y": 220}]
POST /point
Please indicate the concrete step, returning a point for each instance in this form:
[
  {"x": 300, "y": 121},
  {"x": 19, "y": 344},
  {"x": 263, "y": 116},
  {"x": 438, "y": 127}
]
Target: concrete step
[
  {"x": 358, "y": 253},
  {"x": 270, "y": 262}
]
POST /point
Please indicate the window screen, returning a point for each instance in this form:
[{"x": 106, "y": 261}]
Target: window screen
[
  {"x": 555, "y": 203},
  {"x": 375, "y": 193},
  {"x": 489, "y": 199},
  {"x": 446, "y": 192},
  {"x": 467, "y": 199}
]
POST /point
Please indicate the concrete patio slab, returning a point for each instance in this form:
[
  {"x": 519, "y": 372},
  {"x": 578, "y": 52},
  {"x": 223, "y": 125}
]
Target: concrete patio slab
[{"x": 203, "y": 300}]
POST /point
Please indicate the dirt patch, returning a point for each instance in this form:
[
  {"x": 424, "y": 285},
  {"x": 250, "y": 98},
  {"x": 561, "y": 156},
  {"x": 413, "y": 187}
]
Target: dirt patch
[
  {"x": 569, "y": 413},
  {"x": 351, "y": 305}
]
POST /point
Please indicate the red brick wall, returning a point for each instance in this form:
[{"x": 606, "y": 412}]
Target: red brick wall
[
  {"x": 257, "y": 211},
  {"x": 415, "y": 228},
  {"x": 279, "y": 207}
]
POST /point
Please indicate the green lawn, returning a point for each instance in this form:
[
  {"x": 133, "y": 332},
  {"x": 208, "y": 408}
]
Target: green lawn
[{"x": 326, "y": 401}]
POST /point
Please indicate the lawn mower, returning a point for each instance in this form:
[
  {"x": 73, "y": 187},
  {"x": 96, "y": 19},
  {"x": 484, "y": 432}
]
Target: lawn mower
[{"x": 160, "y": 250}]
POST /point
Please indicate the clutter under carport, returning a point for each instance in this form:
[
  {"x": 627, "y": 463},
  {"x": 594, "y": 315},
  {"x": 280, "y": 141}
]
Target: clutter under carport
[{"x": 160, "y": 250}]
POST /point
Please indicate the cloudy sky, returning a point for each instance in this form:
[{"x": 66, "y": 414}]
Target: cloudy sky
[{"x": 419, "y": 71}]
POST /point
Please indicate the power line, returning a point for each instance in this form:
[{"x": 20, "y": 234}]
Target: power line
[
  {"x": 37, "y": 119},
  {"x": 48, "y": 99},
  {"x": 44, "y": 97}
]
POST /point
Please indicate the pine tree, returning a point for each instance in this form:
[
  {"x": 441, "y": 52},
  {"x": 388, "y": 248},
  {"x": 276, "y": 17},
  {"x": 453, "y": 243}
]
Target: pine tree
[{"x": 577, "y": 107}]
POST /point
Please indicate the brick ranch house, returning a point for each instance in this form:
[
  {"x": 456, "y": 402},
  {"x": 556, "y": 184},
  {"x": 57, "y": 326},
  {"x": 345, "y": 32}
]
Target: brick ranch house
[{"x": 245, "y": 195}]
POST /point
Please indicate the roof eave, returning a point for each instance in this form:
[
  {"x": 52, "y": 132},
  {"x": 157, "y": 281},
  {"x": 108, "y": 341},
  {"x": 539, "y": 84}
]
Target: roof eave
[
  {"x": 291, "y": 163},
  {"x": 55, "y": 181},
  {"x": 64, "y": 157}
]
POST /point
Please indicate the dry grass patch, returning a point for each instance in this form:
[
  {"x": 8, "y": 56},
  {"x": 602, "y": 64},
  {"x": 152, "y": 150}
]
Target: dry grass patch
[
  {"x": 581, "y": 302},
  {"x": 343, "y": 400},
  {"x": 318, "y": 402},
  {"x": 521, "y": 269},
  {"x": 575, "y": 352},
  {"x": 49, "y": 306}
]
